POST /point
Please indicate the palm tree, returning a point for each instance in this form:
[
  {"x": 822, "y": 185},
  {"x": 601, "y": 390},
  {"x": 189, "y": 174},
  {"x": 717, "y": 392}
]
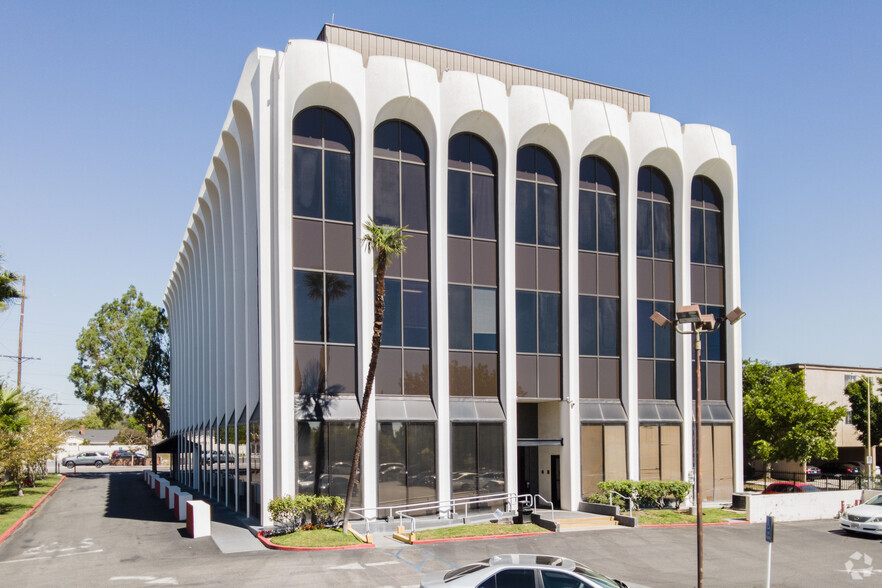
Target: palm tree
[
  {"x": 8, "y": 291},
  {"x": 386, "y": 243},
  {"x": 12, "y": 411}
]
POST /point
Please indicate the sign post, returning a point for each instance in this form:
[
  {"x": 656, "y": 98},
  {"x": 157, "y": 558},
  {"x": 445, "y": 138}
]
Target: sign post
[{"x": 770, "y": 537}]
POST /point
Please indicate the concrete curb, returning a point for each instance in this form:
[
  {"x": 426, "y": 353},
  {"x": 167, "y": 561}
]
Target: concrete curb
[
  {"x": 669, "y": 525},
  {"x": 479, "y": 537},
  {"x": 18, "y": 523},
  {"x": 270, "y": 545}
]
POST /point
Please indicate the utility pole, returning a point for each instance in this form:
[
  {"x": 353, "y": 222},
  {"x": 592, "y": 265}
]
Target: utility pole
[
  {"x": 20, "y": 332},
  {"x": 871, "y": 466}
]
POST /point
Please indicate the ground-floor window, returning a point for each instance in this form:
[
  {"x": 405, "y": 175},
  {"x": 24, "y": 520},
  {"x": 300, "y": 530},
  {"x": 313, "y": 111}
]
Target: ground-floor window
[
  {"x": 604, "y": 455},
  {"x": 717, "y": 483},
  {"x": 324, "y": 458},
  {"x": 477, "y": 459},
  {"x": 407, "y": 470},
  {"x": 660, "y": 452},
  {"x": 254, "y": 461}
]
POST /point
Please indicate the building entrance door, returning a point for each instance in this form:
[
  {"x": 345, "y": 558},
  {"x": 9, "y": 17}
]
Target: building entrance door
[
  {"x": 555, "y": 480},
  {"x": 528, "y": 470}
]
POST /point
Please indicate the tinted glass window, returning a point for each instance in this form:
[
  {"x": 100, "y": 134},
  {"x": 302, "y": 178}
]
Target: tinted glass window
[
  {"x": 484, "y": 206},
  {"x": 485, "y": 319},
  {"x": 340, "y": 294},
  {"x": 607, "y": 224},
  {"x": 458, "y": 221},
  {"x": 339, "y": 194},
  {"x": 525, "y": 213},
  {"x": 416, "y": 313},
  {"x": 308, "y": 300},
  {"x": 547, "y": 206},
  {"x": 460, "y": 313},
  {"x": 587, "y": 221},
  {"x": 587, "y": 325},
  {"x": 526, "y": 321},
  {"x": 392, "y": 314},
  {"x": 549, "y": 323},
  {"x": 308, "y": 182},
  {"x": 608, "y": 318},
  {"x": 386, "y": 196},
  {"x": 414, "y": 197}
]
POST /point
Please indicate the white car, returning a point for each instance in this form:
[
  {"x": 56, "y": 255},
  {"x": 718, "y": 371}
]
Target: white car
[
  {"x": 864, "y": 518},
  {"x": 518, "y": 570}
]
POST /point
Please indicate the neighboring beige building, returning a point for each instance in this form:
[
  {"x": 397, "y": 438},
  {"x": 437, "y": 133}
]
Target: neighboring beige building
[{"x": 827, "y": 384}]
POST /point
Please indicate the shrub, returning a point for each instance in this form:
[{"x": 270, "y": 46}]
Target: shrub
[
  {"x": 296, "y": 511},
  {"x": 651, "y": 493}
]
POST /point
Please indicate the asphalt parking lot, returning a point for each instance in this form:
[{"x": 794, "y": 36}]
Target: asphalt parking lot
[{"x": 103, "y": 528}]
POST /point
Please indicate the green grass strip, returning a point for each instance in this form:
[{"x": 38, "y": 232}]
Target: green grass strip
[
  {"x": 672, "y": 517},
  {"x": 317, "y": 538},
  {"x": 13, "y": 506},
  {"x": 477, "y": 531}
]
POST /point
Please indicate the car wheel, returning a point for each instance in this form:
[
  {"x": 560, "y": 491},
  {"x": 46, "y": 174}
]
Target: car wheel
[
  {"x": 69, "y": 464},
  {"x": 98, "y": 464}
]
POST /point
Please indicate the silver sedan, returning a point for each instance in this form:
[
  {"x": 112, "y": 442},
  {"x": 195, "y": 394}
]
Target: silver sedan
[{"x": 518, "y": 570}]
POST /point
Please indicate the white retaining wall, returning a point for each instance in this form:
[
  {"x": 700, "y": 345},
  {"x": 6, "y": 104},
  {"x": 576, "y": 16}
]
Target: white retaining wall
[{"x": 800, "y": 507}]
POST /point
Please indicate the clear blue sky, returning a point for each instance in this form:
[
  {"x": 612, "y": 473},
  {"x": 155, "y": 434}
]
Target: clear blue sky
[{"x": 110, "y": 112}]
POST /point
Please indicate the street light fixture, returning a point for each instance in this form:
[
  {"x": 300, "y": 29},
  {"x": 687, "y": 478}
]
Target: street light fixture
[{"x": 699, "y": 324}]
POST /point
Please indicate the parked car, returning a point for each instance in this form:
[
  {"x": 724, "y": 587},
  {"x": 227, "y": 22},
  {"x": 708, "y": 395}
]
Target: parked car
[
  {"x": 123, "y": 454},
  {"x": 812, "y": 471},
  {"x": 839, "y": 468},
  {"x": 517, "y": 569},
  {"x": 864, "y": 518},
  {"x": 861, "y": 466},
  {"x": 87, "y": 458},
  {"x": 789, "y": 488}
]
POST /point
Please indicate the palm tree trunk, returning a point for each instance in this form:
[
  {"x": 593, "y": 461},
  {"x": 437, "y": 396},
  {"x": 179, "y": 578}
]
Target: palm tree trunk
[{"x": 379, "y": 309}]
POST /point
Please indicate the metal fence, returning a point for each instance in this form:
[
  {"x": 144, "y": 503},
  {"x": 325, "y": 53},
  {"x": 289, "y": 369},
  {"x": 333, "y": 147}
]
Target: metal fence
[{"x": 820, "y": 481}]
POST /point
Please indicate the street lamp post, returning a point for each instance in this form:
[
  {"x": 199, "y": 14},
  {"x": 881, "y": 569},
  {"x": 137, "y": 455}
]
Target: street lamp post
[
  {"x": 871, "y": 466},
  {"x": 698, "y": 324}
]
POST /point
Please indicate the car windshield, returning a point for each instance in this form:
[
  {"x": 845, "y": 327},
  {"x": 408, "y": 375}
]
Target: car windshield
[
  {"x": 809, "y": 488},
  {"x": 876, "y": 500},
  {"x": 598, "y": 579},
  {"x": 464, "y": 570}
]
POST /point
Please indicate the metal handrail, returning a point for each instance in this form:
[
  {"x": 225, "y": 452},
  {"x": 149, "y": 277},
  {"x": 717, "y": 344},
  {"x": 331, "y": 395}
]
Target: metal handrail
[
  {"x": 367, "y": 523},
  {"x": 548, "y": 502},
  {"x": 451, "y": 505},
  {"x": 628, "y": 499}
]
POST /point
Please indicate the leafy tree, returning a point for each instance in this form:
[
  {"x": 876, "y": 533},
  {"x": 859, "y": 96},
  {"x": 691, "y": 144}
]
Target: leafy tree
[
  {"x": 386, "y": 242},
  {"x": 23, "y": 452},
  {"x": 8, "y": 290},
  {"x": 131, "y": 438},
  {"x": 857, "y": 397},
  {"x": 781, "y": 421},
  {"x": 122, "y": 364},
  {"x": 91, "y": 419}
]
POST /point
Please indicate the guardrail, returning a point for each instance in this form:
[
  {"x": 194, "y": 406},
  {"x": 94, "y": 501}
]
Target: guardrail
[{"x": 546, "y": 501}]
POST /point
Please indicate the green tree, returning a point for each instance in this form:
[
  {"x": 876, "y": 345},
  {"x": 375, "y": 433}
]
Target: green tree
[
  {"x": 857, "y": 397},
  {"x": 90, "y": 419},
  {"x": 122, "y": 364},
  {"x": 24, "y": 451},
  {"x": 8, "y": 289},
  {"x": 386, "y": 243},
  {"x": 781, "y": 421}
]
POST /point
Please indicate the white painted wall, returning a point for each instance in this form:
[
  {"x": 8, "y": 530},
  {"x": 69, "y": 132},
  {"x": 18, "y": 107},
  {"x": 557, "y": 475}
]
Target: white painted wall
[{"x": 808, "y": 506}]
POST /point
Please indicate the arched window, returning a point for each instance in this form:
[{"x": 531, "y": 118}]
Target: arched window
[
  {"x": 537, "y": 275},
  {"x": 401, "y": 198},
  {"x": 324, "y": 246},
  {"x": 708, "y": 281},
  {"x": 655, "y": 284},
  {"x": 599, "y": 322},
  {"x": 472, "y": 267}
]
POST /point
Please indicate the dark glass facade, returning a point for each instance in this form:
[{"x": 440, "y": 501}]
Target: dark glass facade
[
  {"x": 324, "y": 458},
  {"x": 708, "y": 281},
  {"x": 407, "y": 471},
  {"x": 472, "y": 267},
  {"x": 655, "y": 285},
  {"x": 401, "y": 198},
  {"x": 599, "y": 282},
  {"x": 537, "y": 275},
  {"x": 324, "y": 257},
  {"x": 477, "y": 459}
]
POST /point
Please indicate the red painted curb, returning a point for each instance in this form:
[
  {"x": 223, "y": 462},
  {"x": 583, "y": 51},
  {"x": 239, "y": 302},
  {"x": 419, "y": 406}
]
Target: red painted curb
[
  {"x": 270, "y": 545},
  {"x": 32, "y": 509},
  {"x": 693, "y": 524},
  {"x": 479, "y": 537}
]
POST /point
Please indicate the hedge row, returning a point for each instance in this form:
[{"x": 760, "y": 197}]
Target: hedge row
[
  {"x": 294, "y": 512},
  {"x": 651, "y": 493}
]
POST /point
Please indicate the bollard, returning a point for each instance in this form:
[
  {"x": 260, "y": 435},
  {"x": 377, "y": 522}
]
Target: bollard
[
  {"x": 181, "y": 505},
  {"x": 163, "y": 489},
  {"x": 171, "y": 495},
  {"x": 198, "y": 519}
]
